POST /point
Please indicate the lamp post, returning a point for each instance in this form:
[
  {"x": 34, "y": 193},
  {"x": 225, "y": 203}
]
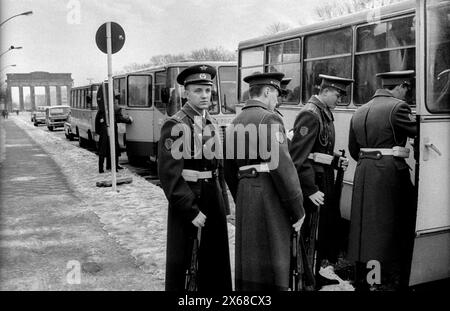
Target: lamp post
[
  {"x": 12, "y": 47},
  {"x": 24, "y": 13}
]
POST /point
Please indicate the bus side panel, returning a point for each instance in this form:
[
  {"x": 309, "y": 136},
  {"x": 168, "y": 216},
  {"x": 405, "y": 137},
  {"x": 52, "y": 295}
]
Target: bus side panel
[
  {"x": 434, "y": 179},
  {"x": 431, "y": 258},
  {"x": 432, "y": 244}
]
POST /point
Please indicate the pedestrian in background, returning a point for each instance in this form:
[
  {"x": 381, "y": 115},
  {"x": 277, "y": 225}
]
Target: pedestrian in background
[{"x": 101, "y": 128}]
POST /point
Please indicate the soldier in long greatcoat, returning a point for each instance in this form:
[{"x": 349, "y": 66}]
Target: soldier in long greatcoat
[
  {"x": 265, "y": 188},
  {"x": 312, "y": 150},
  {"x": 195, "y": 188},
  {"x": 101, "y": 128},
  {"x": 383, "y": 202}
]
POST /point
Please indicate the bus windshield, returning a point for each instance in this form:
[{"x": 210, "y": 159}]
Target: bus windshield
[
  {"x": 438, "y": 56},
  {"x": 59, "y": 110}
]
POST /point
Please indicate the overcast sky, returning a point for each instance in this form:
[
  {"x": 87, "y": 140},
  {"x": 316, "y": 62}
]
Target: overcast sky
[{"x": 60, "y": 38}]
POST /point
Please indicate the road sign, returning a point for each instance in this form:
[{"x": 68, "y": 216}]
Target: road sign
[{"x": 117, "y": 38}]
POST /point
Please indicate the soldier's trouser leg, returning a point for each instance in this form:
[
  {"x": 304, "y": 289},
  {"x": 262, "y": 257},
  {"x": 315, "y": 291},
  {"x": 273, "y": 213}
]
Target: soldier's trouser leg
[
  {"x": 361, "y": 277},
  {"x": 101, "y": 160},
  {"x": 108, "y": 162}
]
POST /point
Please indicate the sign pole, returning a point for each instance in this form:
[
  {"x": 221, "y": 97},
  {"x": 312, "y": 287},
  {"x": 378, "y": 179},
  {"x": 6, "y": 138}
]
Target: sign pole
[{"x": 112, "y": 140}]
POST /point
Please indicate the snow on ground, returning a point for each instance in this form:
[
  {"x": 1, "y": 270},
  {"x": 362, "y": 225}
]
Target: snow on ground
[{"x": 136, "y": 216}]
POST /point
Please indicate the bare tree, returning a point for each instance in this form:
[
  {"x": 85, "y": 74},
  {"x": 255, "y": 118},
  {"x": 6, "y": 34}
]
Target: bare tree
[
  {"x": 276, "y": 28},
  {"x": 335, "y": 8},
  {"x": 215, "y": 54},
  {"x": 211, "y": 54}
]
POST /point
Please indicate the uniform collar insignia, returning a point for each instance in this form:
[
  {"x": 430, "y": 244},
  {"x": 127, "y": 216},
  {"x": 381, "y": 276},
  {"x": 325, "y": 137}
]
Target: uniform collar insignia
[
  {"x": 191, "y": 112},
  {"x": 255, "y": 103},
  {"x": 382, "y": 92},
  {"x": 322, "y": 107}
]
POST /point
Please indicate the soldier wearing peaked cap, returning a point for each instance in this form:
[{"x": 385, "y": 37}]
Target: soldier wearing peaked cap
[
  {"x": 266, "y": 189},
  {"x": 383, "y": 207},
  {"x": 312, "y": 150},
  {"x": 195, "y": 188}
]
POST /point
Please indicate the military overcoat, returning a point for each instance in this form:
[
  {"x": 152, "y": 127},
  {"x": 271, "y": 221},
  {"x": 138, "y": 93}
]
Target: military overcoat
[
  {"x": 186, "y": 199},
  {"x": 314, "y": 132},
  {"x": 267, "y": 203},
  {"x": 383, "y": 201}
]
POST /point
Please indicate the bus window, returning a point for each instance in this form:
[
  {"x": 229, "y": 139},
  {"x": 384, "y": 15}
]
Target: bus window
[
  {"x": 94, "y": 89},
  {"x": 139, "y": 91},
  {"x": 383, "y": 47},
  {"x": 327, "y": 53},
  {"x": 228, "y": 96},
  {"x": 243, "y": 85},
  {"x": 160, "y": 99},
  {"x": 176, "y": 91},
  {"x": 214, "y": 108},
  {"x": 122, "y": 91},
  {"x": 285, "y": 57},
  {"x": 438, "y": 52},
  {"x": 251, "y": 61}
]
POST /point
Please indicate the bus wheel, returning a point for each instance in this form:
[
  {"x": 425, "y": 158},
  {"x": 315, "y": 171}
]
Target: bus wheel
[{"x": 132, "y": 159}]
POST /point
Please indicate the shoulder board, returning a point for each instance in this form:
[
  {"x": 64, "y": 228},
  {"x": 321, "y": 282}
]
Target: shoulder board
[
  {"x": 178, "y": 116},
  {"x": 311, "y": 107}
]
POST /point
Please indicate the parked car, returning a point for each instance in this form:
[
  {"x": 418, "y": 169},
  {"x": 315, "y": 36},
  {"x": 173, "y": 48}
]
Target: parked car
[{"x": 38, "y": 115}]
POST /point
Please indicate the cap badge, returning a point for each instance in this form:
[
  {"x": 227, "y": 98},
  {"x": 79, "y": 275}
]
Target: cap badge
[
  {"x": 203, "y": 68},
  {"x": 202, "y": 76}
]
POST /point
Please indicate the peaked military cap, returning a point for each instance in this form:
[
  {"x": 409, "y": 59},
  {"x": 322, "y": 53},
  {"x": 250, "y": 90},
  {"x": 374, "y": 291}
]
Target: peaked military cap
[
  {"x": 268, "y": 78},
  {"x": 338, "y": 83},
  {"x": 283, "y": 85},
  {"x": 197, "y": 74},
  {"x": 396, "y": 77}
]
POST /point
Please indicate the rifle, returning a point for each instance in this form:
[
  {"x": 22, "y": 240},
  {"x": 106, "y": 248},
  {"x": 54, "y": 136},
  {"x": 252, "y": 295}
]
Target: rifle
[
  {"x": 338, "y": 184},
  {"x": 191, "y": 276},
  {"x": 301, "y": 276},
  {"x": 294, "y": 271}
]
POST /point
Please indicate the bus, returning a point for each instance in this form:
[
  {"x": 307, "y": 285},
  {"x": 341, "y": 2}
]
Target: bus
[
  {"x": 152, "y": 95},
  {"x": 408, "y": 35},
  {"x": 83, "y": 109}
]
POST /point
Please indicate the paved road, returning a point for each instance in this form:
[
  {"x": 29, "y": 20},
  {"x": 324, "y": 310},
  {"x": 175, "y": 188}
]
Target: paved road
[{"x": 46, "y": 234}]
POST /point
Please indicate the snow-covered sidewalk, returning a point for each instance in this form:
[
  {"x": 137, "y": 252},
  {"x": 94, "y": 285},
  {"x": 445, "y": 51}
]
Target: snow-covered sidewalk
[{"x": 136, "y": 216}]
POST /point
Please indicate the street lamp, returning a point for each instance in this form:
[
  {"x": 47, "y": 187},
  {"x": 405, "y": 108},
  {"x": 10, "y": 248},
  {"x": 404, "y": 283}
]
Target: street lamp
[
  {"x": 24, "y": 13},
  {"x": 12, "y": 47},
  {"x": 14, "y": 65}
]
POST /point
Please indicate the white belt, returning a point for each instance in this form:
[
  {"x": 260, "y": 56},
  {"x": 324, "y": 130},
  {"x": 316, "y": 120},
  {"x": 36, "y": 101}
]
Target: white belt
[
  {"x": 383, "y": 151},
  {"x": 396, "y": 151},
  {"x": 261, "y": 168},
  {"x": 322, "y": 158},
  {"x": 194, "y": 176}
]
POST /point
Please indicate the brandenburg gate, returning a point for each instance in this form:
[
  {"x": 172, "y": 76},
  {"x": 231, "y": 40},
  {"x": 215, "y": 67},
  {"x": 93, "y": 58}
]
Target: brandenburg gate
[{"x": 37, "y": 79}]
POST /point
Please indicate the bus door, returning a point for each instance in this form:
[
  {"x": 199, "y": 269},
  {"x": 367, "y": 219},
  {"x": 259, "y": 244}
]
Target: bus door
[
  {"x": 431, "y": 255},
  {"x": 169, "y": 98},
  {"x": 139, "y": 97}
]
